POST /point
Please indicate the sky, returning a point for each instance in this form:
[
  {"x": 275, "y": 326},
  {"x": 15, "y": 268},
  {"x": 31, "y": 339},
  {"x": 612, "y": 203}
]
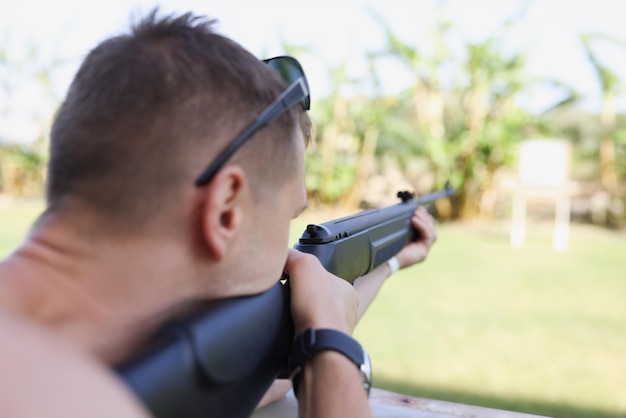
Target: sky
[{"x": 334, "y": 30}]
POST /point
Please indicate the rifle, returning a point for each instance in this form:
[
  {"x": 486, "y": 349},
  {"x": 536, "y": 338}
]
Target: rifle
[
  {"x": 353, "y": 246},
  {"x": 200, "y": 365}
]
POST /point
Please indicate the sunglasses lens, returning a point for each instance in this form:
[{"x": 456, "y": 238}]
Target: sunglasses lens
[{"x": 290, "y": 70}]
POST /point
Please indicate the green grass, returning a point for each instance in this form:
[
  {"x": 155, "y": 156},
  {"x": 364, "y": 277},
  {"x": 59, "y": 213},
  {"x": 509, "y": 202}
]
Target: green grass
[
  {"x": 16, "y": 216},
  {"x": 528, "y": 330}
]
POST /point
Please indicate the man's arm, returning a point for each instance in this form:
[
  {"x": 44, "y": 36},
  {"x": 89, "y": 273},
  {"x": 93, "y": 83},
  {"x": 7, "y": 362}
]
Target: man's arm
[
  {"x": 369, "y": 285},
  {"x": 42, "y": 376},
  {"x": 331, "y": 384},
  {"x": 332, "y": 387}
]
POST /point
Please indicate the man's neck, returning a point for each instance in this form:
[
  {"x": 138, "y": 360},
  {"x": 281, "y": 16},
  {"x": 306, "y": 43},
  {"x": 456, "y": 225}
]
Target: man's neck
[{"x": 94, "y": 293}]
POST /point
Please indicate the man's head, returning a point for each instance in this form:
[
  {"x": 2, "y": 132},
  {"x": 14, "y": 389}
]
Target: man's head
[
  {"x": 147, "y": 111},
  {"x": 145, "y": 115}
]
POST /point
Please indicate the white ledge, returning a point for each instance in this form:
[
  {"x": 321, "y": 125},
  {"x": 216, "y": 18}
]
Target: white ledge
[{"x": 387, "y": 404}]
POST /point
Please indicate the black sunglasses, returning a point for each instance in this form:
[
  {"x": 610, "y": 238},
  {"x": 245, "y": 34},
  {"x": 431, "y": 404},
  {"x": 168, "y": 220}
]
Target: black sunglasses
[{"x": 297, "y": 92}]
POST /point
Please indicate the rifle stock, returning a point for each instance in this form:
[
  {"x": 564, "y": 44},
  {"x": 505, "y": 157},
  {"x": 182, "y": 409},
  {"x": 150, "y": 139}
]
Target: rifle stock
[{"x": 200, "y": 365}]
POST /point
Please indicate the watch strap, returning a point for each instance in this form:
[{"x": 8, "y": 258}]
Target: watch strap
[
  {"x": 394, "y": 264},
  {"x": 312, "y": 341}
]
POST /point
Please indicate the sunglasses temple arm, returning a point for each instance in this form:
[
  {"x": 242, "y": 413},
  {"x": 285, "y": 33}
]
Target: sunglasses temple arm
[
  {"x": 294, "y": 93},
  {"x": 228, "y": 152}
]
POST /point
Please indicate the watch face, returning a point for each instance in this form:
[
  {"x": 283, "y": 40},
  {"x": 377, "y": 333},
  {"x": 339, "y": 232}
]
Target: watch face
[{"x": 366, "y": 369}]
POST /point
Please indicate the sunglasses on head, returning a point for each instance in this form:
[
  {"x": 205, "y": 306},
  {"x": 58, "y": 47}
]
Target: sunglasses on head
[{"x": 297, "y": 92}]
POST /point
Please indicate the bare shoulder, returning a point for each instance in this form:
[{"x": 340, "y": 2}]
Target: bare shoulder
[{"x": 44, "y": 376}]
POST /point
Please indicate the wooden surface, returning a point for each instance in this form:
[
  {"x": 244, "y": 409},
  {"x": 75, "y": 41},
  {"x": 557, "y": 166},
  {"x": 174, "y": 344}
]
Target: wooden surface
[{"x": 389, "y": 404}]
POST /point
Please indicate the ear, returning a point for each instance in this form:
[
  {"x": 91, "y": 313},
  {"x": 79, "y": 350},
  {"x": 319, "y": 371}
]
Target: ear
[{"x": 226, "y": 198}]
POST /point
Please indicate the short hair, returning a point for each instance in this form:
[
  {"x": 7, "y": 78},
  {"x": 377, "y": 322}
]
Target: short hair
[{"x": 147, "y": 111}]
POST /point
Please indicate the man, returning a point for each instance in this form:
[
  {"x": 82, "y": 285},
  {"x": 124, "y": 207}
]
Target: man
[{"x": 151, "y": 210}]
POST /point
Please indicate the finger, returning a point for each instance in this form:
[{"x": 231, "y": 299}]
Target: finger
[
  {"x": 292, "y": 255},
  {"x": 421, "y": 223},
  {"x": 423, "y": 213},
  {"x": 296, "y": 259},
  {"x": 425, "y": 225}
]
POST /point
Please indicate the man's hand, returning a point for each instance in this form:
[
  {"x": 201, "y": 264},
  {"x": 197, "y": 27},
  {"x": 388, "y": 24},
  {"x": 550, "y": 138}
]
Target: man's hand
[
  {"x": 331, "y": 385},
  {"x": 416, "y": 252},
  {"x": 319, "y": 299},
  {"x": 322, "y": 300}
]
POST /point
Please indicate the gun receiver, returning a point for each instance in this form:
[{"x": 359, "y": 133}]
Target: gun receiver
[{"x": 352, "y": 246}]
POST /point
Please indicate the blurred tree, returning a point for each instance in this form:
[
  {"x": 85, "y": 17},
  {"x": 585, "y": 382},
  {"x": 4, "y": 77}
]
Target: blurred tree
[
  {"x": 371, "y": 116},
  {"x": 21, "y": 171},
  {"x": 611, "y": 87},
  {"x": 459, "y": 119},
  {"x": 332, "y": 157},
  {"x": 465, "y": 113},
  {"x": 22, "y": 165}
]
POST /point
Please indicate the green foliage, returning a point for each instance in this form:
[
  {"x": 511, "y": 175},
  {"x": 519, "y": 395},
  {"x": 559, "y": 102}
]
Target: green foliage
[
  {"x": 22, "y": 171},
  {"x": 22, "y": 163},
  {"x": 343, "y": 177},
  {"x": 459, "y": 115},
  {"x": 332, "y": 157},
  {"x": 607, "y": 79},
  {"x": 606, "y": 147},
  {"x": 620, "y": 150},
  {"x": 458, "y": 120}
]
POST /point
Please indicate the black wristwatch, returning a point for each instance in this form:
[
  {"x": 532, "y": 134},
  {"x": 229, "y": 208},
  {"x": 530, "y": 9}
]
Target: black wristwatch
[{"x": 312, "y": 341}]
